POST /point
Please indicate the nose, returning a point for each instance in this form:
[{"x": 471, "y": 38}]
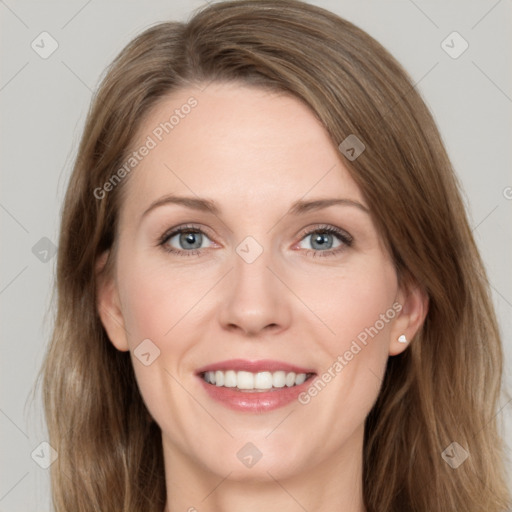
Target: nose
[{"x": 255, "y": 299}]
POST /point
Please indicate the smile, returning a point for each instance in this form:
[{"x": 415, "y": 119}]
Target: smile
[{"x": 254, "y": 386}]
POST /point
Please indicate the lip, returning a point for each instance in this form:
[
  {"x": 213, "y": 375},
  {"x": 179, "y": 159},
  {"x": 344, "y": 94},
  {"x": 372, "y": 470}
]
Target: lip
[
  {"x": 244, "y": 365},
  {"x": 256, "y": 401}
]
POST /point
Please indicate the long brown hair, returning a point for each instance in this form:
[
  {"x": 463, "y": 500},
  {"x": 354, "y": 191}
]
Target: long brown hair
[{"x": 444, "y": 388}]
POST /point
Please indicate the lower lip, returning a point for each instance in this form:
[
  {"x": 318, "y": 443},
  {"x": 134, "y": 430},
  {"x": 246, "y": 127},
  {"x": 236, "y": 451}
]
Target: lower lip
[{"x": 255, "y": 401}]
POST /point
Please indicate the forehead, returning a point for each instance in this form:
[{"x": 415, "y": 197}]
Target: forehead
[{"x": 240, "y": 145}]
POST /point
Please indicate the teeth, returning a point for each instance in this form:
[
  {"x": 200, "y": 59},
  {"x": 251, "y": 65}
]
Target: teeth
[
  {"x": 229, "y": 379},
  {"x": 301, "y": 377},
  {"x": 279, "y": 379},
  {"x": 218, "y": 378},
  {"x": 289, "y": 380},
  {"x": 261, "y": 381}
]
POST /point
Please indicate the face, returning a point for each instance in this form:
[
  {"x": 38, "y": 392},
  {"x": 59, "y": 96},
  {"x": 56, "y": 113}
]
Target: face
[{"x": 251, "y": 281}]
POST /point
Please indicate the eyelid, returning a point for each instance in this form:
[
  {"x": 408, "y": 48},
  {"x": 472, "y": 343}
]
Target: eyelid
[
  {"x": 328, "y": 228},
  {"x": 187, "y": 227}
]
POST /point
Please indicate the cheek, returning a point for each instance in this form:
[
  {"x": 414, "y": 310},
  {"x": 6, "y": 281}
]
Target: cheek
[
  {"x": 155, "y": 305},
  {"x": 360, "y": 312},
  {"x": 155, "y": 301},
  {"x": 359, "y": 307},
  {"x": 351, "y": 303}
]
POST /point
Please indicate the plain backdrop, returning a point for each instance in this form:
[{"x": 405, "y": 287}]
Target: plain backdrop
[{"x": 43, "y": 105}]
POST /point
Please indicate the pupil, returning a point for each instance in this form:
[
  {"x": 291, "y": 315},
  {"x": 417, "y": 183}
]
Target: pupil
[
  {"x": 322, "y": 240},
  {"x": 188, "y": 238}
]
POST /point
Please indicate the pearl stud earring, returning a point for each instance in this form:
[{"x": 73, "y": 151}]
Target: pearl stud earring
[{"x": 402, "y": 338}]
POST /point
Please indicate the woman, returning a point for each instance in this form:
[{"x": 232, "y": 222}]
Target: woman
[{"x": 358, "y": 372}]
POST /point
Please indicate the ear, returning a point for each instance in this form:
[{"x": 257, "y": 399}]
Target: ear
[
  {"x": 109, "y": 306},
  {"x": 414, "y": 307}
]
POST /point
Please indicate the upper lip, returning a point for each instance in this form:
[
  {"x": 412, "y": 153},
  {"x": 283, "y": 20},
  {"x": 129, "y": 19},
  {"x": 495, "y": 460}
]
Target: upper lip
[{"x": 253, "y": 366}]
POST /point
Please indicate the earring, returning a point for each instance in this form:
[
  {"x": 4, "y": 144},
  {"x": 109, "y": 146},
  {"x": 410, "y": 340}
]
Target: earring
[{"x": 402, "y": 338}]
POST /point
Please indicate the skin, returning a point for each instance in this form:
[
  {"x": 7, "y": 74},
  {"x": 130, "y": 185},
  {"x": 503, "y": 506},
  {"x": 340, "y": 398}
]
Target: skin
[{"x": 253, "y": 153}]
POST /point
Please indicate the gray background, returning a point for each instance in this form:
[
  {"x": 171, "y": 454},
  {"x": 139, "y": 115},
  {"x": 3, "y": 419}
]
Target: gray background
[{"x": 43, "y": 107}]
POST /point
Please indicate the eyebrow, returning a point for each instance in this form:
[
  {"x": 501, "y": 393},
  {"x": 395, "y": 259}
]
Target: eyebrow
[{"x": 207, "y": 205}]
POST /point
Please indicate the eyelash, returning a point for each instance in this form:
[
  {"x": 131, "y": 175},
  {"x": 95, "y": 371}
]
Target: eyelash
[{"x": 343, "y": 237}]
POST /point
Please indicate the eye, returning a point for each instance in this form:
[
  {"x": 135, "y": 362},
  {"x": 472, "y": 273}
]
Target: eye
[
  {"x": 188, "y": 238},
  {"x": 327, "y": 240}
]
